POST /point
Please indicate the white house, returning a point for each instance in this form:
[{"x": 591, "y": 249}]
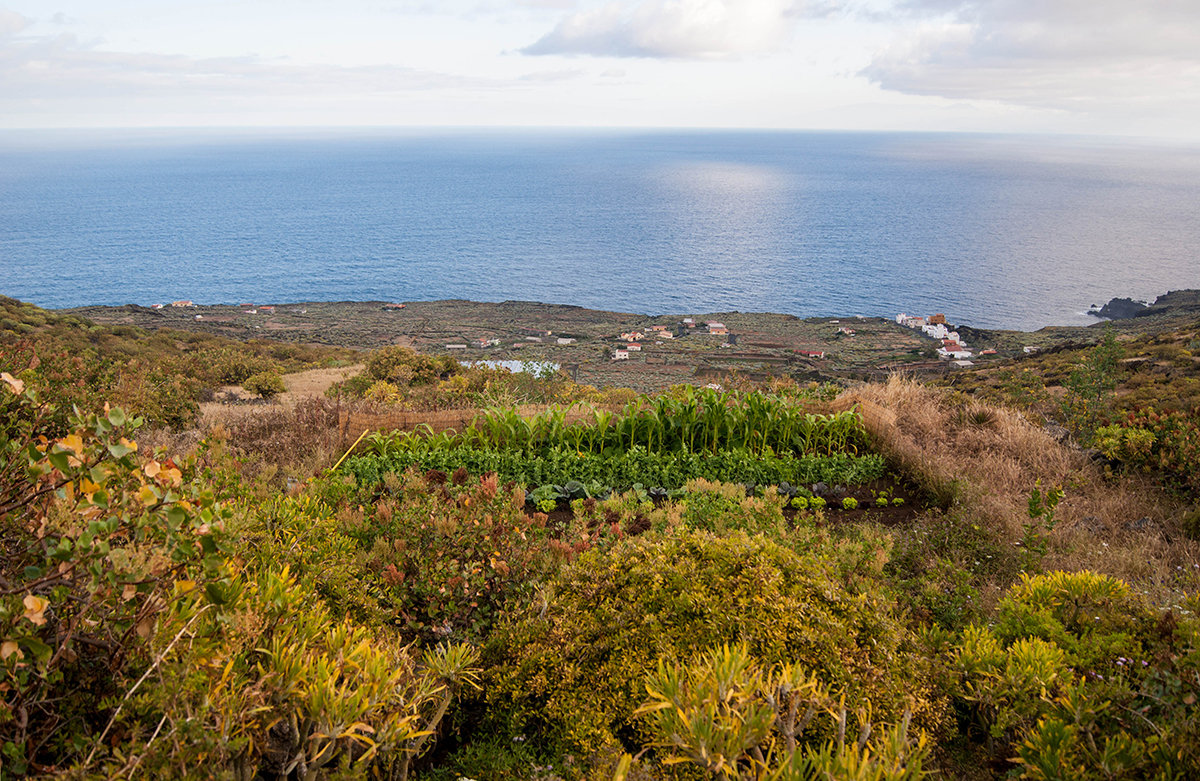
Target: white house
[
  {"x": 956, "y": 352},
  {"x": 562, "y": 340},
  {"x": 634, "y": 348},
  {"x": 620, "y": 355},
  {"x": 938, "y": 331}
]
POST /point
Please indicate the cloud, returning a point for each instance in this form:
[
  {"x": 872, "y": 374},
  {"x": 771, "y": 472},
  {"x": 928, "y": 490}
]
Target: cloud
[
  {"x": 676, "y": 29},
  {"x": 61, "y": 67},
  {"x": 1062, "y": 54},
  {"x": 11, "y": 23},
  {"x": 549, "y": 76}
]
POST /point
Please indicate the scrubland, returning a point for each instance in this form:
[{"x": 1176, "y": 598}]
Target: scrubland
[{"x": 990, "y": 580}]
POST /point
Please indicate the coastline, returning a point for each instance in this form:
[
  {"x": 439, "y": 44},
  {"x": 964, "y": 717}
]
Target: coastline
[{"x": 762, "y": 344}]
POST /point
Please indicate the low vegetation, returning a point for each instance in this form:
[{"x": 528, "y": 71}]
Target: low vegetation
[{"x": 732, "y": 585}]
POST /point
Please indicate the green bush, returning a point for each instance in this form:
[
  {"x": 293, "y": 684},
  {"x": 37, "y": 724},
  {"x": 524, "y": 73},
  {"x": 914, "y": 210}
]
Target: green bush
[
  {"x": 99, "y": 542},
  {"x": 268, "y": 385},
  {"x": 1070, "y": 657},
  {"x": 405, "y": 366},
  {"x": 730, "y": 716},
  {"x": 232, "y": 365},
  {"x": 449, "y": 555},
  {"x": 724, "y": 507},
  {"x": 567, "y": 673}
]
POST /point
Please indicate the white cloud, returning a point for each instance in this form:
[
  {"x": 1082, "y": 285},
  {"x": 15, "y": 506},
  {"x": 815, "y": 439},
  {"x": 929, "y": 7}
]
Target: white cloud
[
  {"x": 1084, "y": 55},
  {"x": 675, "y": 29},
  {"x": 550, "y": 76},
  {"x": 61, "y": 67},
  {"x": 11, "y": 23}
]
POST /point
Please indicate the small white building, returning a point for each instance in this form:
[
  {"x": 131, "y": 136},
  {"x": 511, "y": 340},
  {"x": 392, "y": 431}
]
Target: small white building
[
  {"x": 456, "y": 347},
  {"x": 620, "y": 355},
  {"x": 956, "y": 353},
  {"x": 562, "y": 340},
  {"x": 1030, "y": 349},
  {"x": 634, "y": 348}
]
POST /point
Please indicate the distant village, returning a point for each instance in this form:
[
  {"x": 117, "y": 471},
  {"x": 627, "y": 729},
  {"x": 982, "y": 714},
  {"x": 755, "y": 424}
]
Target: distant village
[
  {"x": 952, "y": 348},
  {"x": 625, "y": 345}
]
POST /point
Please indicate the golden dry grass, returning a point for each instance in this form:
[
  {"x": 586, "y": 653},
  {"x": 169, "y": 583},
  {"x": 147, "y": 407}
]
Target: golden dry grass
[{"x": 987, "y": 460}]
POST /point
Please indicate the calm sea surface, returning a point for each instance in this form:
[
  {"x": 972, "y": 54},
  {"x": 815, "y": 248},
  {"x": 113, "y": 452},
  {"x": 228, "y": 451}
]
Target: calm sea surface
[{"x": 995, "y": 231}]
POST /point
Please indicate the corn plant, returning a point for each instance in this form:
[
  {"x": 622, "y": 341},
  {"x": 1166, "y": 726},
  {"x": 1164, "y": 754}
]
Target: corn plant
[{"x": 692, "y": 421}]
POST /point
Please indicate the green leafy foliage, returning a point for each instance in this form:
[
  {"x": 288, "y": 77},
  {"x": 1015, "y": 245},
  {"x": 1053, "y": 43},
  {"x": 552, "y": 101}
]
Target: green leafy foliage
[
  {"x": 1042, "y": 520},
  {"x": 99, "y": 542},
  {"x": 267, "y": 384},
  {"x": 567, "y": 673},
  {"x": 1168, "y": 442},
  {"x": 1087, "y": 404},
  {"x": 622, "y": 470},
  {"x": 1085, "y": 680},
  {"x": 254, "y": 678},
  {"x": 450, "y": 556},
  {"x": 689, "y": 421},
  {"x": 727, "y": 715}
]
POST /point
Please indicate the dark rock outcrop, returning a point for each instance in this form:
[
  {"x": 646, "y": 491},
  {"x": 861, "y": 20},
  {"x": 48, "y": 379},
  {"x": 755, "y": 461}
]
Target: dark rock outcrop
[{"x": 1119, "y": 309}]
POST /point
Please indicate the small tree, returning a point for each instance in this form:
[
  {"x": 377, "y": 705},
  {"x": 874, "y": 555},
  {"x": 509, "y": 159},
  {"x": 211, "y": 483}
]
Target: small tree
[
  {"x": 268, "y": 385},
  {"x": 1091, "y": 388}
]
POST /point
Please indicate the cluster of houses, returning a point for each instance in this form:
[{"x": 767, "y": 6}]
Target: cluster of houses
[
  {"x": 658, "y": 333},
  {"x": 951, "y": 349},
  {"x": 246, "y": 308}
]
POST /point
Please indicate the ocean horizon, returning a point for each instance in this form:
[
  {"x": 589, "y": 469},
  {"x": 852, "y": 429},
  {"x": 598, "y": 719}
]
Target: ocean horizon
[{"x": 996, "y": 231}]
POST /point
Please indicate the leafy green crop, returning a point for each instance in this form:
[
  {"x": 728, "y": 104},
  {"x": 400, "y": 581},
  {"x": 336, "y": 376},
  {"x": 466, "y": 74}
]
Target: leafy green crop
[{"x": 621, "y": 471}]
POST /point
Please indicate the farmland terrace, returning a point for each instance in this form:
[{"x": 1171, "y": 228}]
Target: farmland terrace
[{"x": 766, "y": 344}]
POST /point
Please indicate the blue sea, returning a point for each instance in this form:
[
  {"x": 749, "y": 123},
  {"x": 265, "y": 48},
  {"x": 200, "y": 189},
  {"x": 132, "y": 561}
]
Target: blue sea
[{"x": 994, "y": 231}]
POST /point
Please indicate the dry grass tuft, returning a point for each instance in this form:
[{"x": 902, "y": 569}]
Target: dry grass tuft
[
  {"x": 274, "y": 442},
  {"x": 984, "y": 461}
]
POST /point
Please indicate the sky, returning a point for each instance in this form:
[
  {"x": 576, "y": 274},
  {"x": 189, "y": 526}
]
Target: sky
[{"x": 1107, "y": 67}]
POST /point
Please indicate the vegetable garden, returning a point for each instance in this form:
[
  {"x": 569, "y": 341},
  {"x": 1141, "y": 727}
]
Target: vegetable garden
[{"x": 657, "y": 444}]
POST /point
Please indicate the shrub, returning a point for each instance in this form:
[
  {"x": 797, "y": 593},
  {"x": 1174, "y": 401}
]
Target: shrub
[
  {"x": 405, "y": 366},
  {"x": 731, "y": 717},
  {"x": 232, "y": 366},
  {"x": 1093, "y": 618},
  {"x": 268, "y": 385},
  {"x": 724, "y": 507},
  {"x": 1070, "y": 656},
  {"x": 1166, "y": 441},
  {"x": 255, "y": 679},
  {"x": 1091, "y": 386},
  {"x": 449, "y": 558},
  {"x": 99, "y": 541},
  {"x": 568, "y": 673}
]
